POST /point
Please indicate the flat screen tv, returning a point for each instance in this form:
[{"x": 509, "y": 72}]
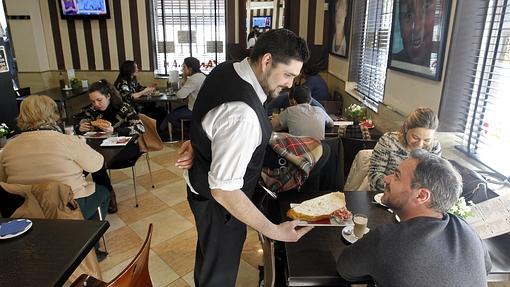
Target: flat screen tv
[
  {"x": 84, "y": 9},
  {"x": 262, "y": 21}
]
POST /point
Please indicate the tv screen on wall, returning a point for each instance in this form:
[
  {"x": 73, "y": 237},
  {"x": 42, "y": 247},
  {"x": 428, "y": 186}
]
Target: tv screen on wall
[
  {"x": 262, "y": 21},
  {"x": 84, "y": 9}
]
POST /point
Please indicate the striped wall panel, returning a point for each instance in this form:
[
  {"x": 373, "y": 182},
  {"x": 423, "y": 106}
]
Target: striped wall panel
[{"x": 100, "y": 44}]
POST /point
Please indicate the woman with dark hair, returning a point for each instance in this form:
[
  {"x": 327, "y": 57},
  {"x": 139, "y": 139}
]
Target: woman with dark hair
[
  {"x": 316, "y": 83},
  {"x": 115, "y": 115},
  {"x": 127, "y": 84},
  {"x": 109, "y": 114},
  {"x": 192, "y": 79}
]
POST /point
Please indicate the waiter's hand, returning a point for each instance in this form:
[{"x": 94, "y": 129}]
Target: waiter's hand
[
  {"x": 185, "y": 160},
  {"x": 289, "y": 231}
]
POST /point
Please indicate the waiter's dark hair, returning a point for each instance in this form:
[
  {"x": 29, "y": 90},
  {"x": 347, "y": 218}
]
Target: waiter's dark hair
[
  {"x": 106, "y": 89},
  {"x": 283, "y": 45}
]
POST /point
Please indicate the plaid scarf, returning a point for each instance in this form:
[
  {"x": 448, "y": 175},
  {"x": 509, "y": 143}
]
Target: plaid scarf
[{"x": 300, "y": 153}]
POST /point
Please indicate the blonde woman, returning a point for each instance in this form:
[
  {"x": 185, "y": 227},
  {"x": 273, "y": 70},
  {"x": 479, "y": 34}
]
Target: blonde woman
[
  {"x": 417, "y": 132},
  {"x": 42, "y": 153}
]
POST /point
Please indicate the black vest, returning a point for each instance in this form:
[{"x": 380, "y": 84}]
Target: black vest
[{"x": 221, "y": 86}]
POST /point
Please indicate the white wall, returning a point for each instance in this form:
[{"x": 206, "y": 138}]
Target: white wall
[{"x": 28, "y": 36}]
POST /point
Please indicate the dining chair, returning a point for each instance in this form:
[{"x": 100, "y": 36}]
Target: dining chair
[
  {"x": 134, "y": 275},
  {"x": 269, "y": 260},
  {"x": 148, "y": 141}
]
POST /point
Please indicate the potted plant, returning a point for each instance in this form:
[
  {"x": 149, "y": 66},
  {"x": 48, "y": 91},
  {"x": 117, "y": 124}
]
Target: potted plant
[
  {"x": 4, "y": 132},
  {"x": 75, "y": 83},
  {"x": 356, "y": 113}
]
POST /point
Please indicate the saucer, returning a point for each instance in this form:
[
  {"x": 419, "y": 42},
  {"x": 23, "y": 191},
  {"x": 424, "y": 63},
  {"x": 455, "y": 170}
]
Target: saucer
[
  {"x": 377, "y": 198},
  {"x": 348, "y": 233},
  {"x": 15, "y": 228}
]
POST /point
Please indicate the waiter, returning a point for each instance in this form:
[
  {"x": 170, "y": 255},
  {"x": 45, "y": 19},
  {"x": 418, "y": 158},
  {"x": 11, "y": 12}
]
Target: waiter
[{"x": 229, "y": 134}]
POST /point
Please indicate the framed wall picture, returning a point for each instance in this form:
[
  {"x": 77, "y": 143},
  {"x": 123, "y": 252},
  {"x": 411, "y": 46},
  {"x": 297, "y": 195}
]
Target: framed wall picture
[
  {"x": 4, "y": 66},
  {"x": 340, "y": 23},
  {"x": 419, "y": 32}
]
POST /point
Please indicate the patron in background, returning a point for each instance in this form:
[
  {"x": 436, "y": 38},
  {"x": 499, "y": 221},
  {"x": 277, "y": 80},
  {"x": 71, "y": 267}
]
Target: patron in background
[
  {"x": 108, "y": 113},
  {"x": 417, "y": 132},
  {"x": 127, "y": 84},
  {"x": 301, "y": 118},
  {"x": 281, "y": 102},
  {"x": 192, "y": 79},
  {"x": 317, "y": 85},
  {"x": 116, "y": 116},
  {"x": 429, "y": 247},
  {"x": 42, "y": 153}
]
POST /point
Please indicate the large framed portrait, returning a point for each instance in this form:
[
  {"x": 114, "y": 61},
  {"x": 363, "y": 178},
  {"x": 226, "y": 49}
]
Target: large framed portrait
[
  {"x": 418, "y": 37},
  {"x": 340, "y": 23}
]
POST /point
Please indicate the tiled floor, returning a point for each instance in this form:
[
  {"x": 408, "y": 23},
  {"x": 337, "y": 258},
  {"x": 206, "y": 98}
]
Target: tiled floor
[
  {"x": 173, "y": 241},
  {"x": 174, "y": 237}
]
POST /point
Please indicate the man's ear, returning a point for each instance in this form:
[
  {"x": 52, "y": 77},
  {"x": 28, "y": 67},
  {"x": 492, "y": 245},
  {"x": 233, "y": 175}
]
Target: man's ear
[
  {"x": 423, "y": 196},
  {"x": 266, "y": 61}
]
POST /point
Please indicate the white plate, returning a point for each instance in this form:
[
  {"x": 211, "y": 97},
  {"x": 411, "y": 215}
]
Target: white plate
[
  {"x": 19, "y": 232},
  {"x": 348, "y": 233},
  {"x": 332, "y": 221},
  {"x": 397, "y": 218},
  {"x": 377, "y": 198},
  {"x": 68, "y": 89},
  {"x": 116, "y": 141}
]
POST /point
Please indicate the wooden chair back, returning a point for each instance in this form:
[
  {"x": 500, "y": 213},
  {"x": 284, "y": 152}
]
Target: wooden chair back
[{"x": 134, "y": 275}]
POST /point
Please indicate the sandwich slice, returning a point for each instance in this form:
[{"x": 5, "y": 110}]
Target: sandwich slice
[
  {"x": 100, "y": 123},
  {"x": 320, "y": 208}
]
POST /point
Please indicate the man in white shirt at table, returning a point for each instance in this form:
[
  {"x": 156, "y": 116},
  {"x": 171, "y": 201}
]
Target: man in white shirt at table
[{"x": 429, "y": 247}]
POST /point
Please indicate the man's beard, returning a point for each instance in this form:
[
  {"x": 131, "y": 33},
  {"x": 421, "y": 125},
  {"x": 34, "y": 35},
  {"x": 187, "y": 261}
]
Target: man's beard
[{"x": 265, "y": 85}]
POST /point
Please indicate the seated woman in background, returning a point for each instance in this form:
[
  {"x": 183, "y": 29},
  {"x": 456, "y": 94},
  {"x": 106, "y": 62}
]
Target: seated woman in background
[
  {"x": 192, "y": 80},
  {"x": 57, "y": 157},
  {"x": 114, "y": 116},
  {"x": 127, "y": 84},
  {"x": 316, "y": 83},
  {"x": 417, "y": 132}
]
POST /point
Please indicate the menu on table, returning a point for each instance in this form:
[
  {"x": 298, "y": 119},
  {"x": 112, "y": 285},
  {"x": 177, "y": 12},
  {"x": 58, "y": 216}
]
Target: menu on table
[{"x": 491, "y": 217}]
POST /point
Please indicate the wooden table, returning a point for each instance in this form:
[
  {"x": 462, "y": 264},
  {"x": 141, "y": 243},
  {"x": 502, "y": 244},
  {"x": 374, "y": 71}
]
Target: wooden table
[
  {"x": 70, "y": 102},
  {"x": 311, "y": 261},
  {"x": 48, "y": 253}
]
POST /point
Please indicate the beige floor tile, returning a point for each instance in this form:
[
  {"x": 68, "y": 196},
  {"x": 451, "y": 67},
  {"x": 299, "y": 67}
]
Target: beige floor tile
[
  {"x": 125, "y": 189},
  {"x": 141, "y": 167},
  {"x": 252, "y": 249},
  {"x": 160, "y": 177},
  {"x": 115, "y": 222},
  {"x": 189, "y": 278},
  {"x": 184, "y": 210},
  {"x": 178, "y": 283},
  {"x": 161, "y": 273},
  {"x": 148, "y": 205},
  {"x": 166, "y": 159},
  {"x": 172, "y": 193},
  {"x": 123, "y": 243},
  {"x": 167, "y": 224},
  {"x": 179, "y": 252},
  {"x": 119, "y": 175},
  {"x": 499, "y": 284},
  {"x": 247, "y": 276}
]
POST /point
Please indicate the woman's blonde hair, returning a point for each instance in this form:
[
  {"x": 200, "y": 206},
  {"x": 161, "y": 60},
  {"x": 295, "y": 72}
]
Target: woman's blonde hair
[
  {"x": 419, "y": 118},
  {"x": 37, "y": 111}
]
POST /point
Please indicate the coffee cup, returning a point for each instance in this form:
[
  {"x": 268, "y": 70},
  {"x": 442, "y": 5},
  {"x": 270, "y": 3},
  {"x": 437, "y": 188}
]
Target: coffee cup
[{"x": 360, "y": 224}]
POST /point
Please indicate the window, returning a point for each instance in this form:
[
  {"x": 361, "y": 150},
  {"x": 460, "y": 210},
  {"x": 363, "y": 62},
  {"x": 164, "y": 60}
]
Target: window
[
  {"x": 476, "y": 85},
  {"x": 372, "y": 29},
  {"x": 185, "y": 28}
]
